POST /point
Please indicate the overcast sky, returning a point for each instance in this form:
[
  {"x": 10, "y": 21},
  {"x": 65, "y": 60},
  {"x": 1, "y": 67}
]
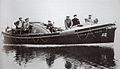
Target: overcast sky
[{"x": 56, "y": 10}]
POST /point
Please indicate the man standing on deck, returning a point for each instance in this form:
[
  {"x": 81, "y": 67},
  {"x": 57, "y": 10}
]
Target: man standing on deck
[
  {"x": 68, "y": 22},
  {"x": 19, "y": 23},
  {"x": 26, "y": 24},
  {"x": 75, "y": 21},
  {"x": 27, "y": 27}
]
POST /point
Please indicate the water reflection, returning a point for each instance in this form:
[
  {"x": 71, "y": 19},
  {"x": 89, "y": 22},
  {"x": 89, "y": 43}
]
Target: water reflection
[
  {"x": 81, "y": 57},
  {"x": 50, "y": 59},
  {"x": 68, "y": 65}
]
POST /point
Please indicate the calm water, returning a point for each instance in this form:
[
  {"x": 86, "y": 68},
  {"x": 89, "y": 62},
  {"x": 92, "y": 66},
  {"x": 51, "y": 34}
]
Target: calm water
[{"x": 73, "y": 57}]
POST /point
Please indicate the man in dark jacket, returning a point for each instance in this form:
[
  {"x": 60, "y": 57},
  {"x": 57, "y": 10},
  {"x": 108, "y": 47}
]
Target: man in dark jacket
[{"x": 75, "y": 20}]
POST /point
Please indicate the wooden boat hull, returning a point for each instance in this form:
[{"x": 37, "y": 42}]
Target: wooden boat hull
[{"x": 95, "y": 34}]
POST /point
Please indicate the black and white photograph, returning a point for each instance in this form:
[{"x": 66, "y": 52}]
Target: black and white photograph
[{"x": 59, "y": 34}]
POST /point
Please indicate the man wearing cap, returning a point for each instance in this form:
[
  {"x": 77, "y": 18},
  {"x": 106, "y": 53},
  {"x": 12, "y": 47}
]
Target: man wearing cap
[
  {"x": 26, "y": 24},
  {"x": 50, "y": 27},
  {"x": 89, "y": 20},
  {"x": 19, "y": 23},
  {"x": 75, "y": 20},
  {"x": 68, "y": 22}
]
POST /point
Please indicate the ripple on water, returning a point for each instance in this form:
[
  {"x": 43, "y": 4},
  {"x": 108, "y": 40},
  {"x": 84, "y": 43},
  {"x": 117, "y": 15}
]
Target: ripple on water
[{"x": 79, "y": 57}]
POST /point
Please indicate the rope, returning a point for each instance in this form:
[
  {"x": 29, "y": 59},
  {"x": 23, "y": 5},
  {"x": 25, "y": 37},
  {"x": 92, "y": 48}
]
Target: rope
[
  {"x": 89, "y": 33},
  {"x": 44, "y": 40},
  {"x": 38, "y": 40},
  {"x": 22, "y": 40},
  {"x": 35, "y": 40},
  {"x": 16, "y": 40},
  {"x": 92, "y": 33},
  {"x": 82, "y": 38}
]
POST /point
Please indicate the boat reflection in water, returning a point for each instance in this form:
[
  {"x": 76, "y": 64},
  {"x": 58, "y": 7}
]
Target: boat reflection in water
[{"x": 79, "y": 57}]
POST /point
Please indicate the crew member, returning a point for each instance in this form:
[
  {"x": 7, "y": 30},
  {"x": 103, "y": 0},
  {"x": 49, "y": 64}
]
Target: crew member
[
  {"x": 51, "y": 27},
  {"x": 68, "y": 22},
  {"x": 96, "y": 21},
  {"x": 19, "y": 23},
  {"x": 89, "y": 20},
  {"x": 26, "y": 24},
  {"x": 75, "y": 21}
]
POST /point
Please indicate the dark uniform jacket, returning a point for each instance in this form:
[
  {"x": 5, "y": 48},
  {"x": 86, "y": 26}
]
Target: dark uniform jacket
[{"x": 75, "y": 21}]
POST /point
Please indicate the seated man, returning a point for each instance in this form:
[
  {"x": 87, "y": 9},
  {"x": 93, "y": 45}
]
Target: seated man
[
  {"x": 90, "y": 21},
  {"x": 50, "y": 27},
  {"x": 75, "y": 21}
]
